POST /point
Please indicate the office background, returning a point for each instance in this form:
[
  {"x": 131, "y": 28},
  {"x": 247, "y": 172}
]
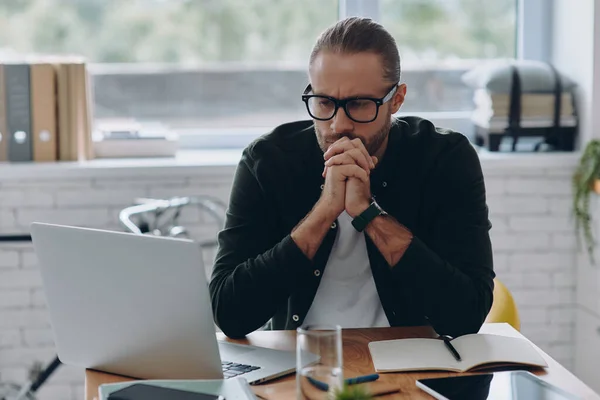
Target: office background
[{"x": 535, "y": 248}]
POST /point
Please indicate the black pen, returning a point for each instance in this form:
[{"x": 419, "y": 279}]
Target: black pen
[{"x": 450, "y": 347}]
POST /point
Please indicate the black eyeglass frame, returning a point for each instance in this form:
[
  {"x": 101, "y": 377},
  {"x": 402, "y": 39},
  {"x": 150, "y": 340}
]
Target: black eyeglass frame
[{"x": 343, "y": 103}]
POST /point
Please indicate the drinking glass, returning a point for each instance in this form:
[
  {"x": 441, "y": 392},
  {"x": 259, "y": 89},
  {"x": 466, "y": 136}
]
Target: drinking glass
[{"x": 319, "y": 371}]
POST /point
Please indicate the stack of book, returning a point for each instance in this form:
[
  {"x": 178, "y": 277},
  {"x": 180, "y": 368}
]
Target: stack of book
[
  {"x": 45, "y": 110},
  {"x": 129, "y": 138},
  {"x": 492, "y": 112}
]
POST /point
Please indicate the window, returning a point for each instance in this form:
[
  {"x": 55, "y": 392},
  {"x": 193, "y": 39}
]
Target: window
[
  {"x": 220, "y": 72},
  {"x": 439, "y": 40},
  {"x": 194, "y": 65},
  {"x": 450, "y": 30}
]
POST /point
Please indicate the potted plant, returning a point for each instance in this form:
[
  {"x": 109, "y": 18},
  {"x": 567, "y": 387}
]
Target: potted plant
[{"x": 586, "y": 181}]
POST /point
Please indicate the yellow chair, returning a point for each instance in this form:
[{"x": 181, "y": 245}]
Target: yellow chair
[{"x": 504, "y": 308}]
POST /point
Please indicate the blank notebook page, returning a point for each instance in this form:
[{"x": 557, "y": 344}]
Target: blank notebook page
[{"x": 411, "y": 354}]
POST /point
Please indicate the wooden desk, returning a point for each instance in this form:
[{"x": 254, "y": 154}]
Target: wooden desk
[{"x": 357, "y": 361}]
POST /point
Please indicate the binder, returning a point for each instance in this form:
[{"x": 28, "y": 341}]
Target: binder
[
  {"x": 81, "y": 104},
  {"x": 43, "y": 112},
  {"x": 3, "y": 123},
  {"x": 88, "y": 98},
  {"x": 74, "y": 114},
  {"x": 64, "y": 132},
  {"x": 18, "y": 112}
]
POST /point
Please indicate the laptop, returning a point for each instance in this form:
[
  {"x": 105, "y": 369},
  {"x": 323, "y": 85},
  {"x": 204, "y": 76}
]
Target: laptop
[{"x": 139, "y": 306}]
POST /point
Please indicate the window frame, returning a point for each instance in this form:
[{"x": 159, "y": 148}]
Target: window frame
[
  {"x": 534, "y": 30},
  {"x": 534, "y": 24}
]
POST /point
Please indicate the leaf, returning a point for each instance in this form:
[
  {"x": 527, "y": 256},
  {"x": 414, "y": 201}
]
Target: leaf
[
  {"x": 355, "y": 392},
  {"x": 583, "y": 180}
]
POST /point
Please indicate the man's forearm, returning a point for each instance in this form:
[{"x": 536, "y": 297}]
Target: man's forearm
[
  {"x": 310, "y": 232},
  {"x": 391, "y": 238}
]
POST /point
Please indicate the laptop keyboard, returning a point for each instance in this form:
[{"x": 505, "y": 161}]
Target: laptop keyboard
[{"x": 232, "y": 369}]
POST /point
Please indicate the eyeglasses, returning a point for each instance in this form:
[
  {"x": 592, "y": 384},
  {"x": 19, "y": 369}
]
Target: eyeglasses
[{"x": 358, "y": 109}]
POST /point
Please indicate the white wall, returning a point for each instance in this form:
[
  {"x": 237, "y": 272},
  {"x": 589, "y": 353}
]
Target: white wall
[
  {"x": 25, "y": 333},
  {"x": 529, "y": 199},
  {"x": 576, "y": 52},
  {"x": 534, "y": 248}
]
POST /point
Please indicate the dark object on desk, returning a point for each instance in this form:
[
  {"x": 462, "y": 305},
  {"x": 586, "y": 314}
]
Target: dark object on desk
[
  {"x": 451, "y": 348},
  {"x": 140, "y": 391},
  {"x": 515, "y": 385}
]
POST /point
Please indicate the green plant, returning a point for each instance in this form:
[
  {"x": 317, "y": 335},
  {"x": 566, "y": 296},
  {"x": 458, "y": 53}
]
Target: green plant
[
  {"x": 588, "y": 171},
  {"x": 355, "y": 392}
]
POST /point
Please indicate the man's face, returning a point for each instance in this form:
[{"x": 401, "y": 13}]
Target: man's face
[{"x": 354, "y": 75}]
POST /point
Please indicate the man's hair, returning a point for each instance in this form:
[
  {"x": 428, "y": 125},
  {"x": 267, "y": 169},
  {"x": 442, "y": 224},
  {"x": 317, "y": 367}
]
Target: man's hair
[{"x": 357, "y": 35}]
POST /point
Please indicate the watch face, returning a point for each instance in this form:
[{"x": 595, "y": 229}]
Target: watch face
[{"x": 381, "y": 212}]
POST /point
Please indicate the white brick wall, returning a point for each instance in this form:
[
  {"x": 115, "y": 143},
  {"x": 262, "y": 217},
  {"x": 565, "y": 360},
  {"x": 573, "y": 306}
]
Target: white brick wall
[
  {"x": 9, "y": 259},
  {"x": 25, "y": 333},
  {"x": 534, "y": 251}
]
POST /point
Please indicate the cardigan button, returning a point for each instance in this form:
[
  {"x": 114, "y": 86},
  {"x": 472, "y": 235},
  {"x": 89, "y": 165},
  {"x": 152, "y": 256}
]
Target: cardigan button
[
  {"x": 296, "y": 318},
  {"x": 322, "y": 187},
  {"x": 334, "y": 225},
  {"x": 317, "y": 272},
  {"x": 384, "y": 184}
]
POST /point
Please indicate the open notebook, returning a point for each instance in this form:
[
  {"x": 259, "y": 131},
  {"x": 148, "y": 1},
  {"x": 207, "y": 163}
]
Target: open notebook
[{"x": 477, "y": 351}]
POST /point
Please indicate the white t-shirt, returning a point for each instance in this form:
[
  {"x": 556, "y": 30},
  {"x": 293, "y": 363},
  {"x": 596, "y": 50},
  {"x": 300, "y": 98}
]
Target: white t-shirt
[{"x": 347, "y": 295}]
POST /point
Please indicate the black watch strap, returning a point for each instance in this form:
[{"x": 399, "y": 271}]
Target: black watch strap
[{"x": 361, "y": 221}]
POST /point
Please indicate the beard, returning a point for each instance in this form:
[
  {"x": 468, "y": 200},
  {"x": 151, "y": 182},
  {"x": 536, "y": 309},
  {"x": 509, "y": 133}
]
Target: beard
[{"x": 372, "y": 143}]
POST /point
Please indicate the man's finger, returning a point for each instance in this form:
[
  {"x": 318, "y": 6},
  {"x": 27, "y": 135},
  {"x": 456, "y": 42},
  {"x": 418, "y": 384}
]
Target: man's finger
[
  {"x": 353, "y": 156},
  {"x": 337, "y": 148},
  {"x": 340, "y": 140},
  {"x": 353, "y": 170},
  {"x": 365, "y": 161},
  {"x": 357, "y": 143},
  {"x": 344, "y": 144}
]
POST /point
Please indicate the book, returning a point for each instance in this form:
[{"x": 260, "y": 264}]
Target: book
[
  {"x": 232, "y": 389},
  {"x": 18, "y": 111},
  {"x": 477, "y": 351},
  {"x": 64, "y": 130},
  {"x": 3, "y": 122},
  {"x": 43, "y": 112},
  {"x": 88, "y": 109},
  {"x": 129, "y": 139},
  {"x": 45, "y": 109},
  {"x": 75, "y": 135},
  {"x": 532, "y": 104},
  {"x": 74, "y": 109},
  {"x": 135, "y": 148},
  {"x": 499, "y": 124}
]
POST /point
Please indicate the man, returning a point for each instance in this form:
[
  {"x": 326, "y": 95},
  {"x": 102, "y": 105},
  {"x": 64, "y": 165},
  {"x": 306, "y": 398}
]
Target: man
[{"x": 355, "y": 218}]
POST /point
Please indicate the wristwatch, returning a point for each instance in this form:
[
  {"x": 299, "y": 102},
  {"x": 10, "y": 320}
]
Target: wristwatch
[{"x": 361, "y": 221}]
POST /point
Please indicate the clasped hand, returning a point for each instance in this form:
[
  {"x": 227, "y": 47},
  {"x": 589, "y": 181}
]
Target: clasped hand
[{"x": 347, "y": 173}]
